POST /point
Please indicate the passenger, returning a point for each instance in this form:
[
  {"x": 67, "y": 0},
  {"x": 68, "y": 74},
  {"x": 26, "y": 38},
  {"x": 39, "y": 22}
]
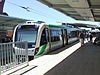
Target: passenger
[
  {"x": 82, "y": 37},
  {"x": 97, "y": 39},
  {"x": 87, "y": 36},
  {"x": 91, "y": 37},
  {"x": 7, "y": 39}
]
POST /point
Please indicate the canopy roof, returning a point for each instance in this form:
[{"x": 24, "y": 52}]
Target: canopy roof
[
  {"x": 9, "y": 22},
  {"x": 77, "y": 9}
]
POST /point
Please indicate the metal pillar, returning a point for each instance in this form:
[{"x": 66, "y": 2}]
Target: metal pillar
[{"x": 1, "y": 6}]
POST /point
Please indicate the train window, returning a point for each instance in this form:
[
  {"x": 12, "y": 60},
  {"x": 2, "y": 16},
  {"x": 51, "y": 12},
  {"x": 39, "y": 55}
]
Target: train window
[
  {"x": 73, "y": 34},
  {"x": 43, "y": 38},
  {"x": 55, "y": 35},
  {"x": 28, "y": 27},
  {"x": 26, "y": 35}
]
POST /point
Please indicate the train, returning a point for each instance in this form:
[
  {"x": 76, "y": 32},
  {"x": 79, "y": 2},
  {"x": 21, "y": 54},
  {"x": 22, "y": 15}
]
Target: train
[{"x": 43, "y": 38}]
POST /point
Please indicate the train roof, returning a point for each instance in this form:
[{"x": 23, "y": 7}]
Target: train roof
[
  {"x": 49, "y": 25},
  {"x": 53, "y": 25},
  {"x": 32, "y": 23},
  {"x": 75, "y": 29},
  {"x": 65, "y": 27},
  {"x": 72, "y": 28}
]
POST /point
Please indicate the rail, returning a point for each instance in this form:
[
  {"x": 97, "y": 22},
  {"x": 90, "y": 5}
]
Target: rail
[{"x": 12, "y": 55}]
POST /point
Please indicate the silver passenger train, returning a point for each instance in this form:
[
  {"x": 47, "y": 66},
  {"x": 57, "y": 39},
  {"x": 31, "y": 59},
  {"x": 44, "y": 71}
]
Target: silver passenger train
[{"x": 42, "y": 37}]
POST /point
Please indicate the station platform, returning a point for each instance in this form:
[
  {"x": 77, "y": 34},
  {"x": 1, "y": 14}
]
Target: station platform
[
  {"x": 84, "y": 61},
  {"x": 74, "y": 60}
]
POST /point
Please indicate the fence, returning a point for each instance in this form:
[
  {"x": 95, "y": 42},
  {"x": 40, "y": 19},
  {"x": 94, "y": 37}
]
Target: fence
[{"x": 13, "y": 55}]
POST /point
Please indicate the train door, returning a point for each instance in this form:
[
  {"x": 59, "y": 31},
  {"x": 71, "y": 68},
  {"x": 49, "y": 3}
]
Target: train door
[
  {"x": 44, "y": 42},
  {"x": 56, "y": 38},
  {"x": 65, "y": 37},
  {"x": 62, "y": 30},
  {"x": 48, "y": 38},
  {"x": 43, "y": 38}
]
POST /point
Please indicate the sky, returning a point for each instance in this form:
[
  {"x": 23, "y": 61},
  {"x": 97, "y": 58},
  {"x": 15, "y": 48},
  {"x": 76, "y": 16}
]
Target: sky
[{"x": 37, "y": 11}]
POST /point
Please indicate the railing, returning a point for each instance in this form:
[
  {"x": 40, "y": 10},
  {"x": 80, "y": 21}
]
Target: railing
[{"x": 13, "y": 55}]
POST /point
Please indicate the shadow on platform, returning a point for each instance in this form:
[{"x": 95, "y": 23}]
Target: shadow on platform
[{"x": 84, "y": 61}]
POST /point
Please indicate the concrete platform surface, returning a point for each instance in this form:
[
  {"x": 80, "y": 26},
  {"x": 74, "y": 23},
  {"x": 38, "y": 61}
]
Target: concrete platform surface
[{"x": 84, "y": 61}]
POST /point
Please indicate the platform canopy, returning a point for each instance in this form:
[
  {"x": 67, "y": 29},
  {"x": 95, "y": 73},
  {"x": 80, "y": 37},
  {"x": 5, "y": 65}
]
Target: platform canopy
[
  {"x": 84, "y": 25},
  {"x": 77, "y": 9},
  {"x": 7, "y": 23}
]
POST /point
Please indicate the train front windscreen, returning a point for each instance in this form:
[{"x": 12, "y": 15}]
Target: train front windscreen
[{"x": 27, "y": 34}]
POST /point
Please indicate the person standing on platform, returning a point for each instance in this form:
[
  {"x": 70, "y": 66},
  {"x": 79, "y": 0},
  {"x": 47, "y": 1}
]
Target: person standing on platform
[
  {"x": 82, "y": 37},
  {"x": 87, "y": 36},
  {"x": 91, "y": 37}
]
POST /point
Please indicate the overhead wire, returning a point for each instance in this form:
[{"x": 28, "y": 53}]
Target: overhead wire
[
  {"x": 32, "y": 10},
  {"x": 26, "y": 8}
]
